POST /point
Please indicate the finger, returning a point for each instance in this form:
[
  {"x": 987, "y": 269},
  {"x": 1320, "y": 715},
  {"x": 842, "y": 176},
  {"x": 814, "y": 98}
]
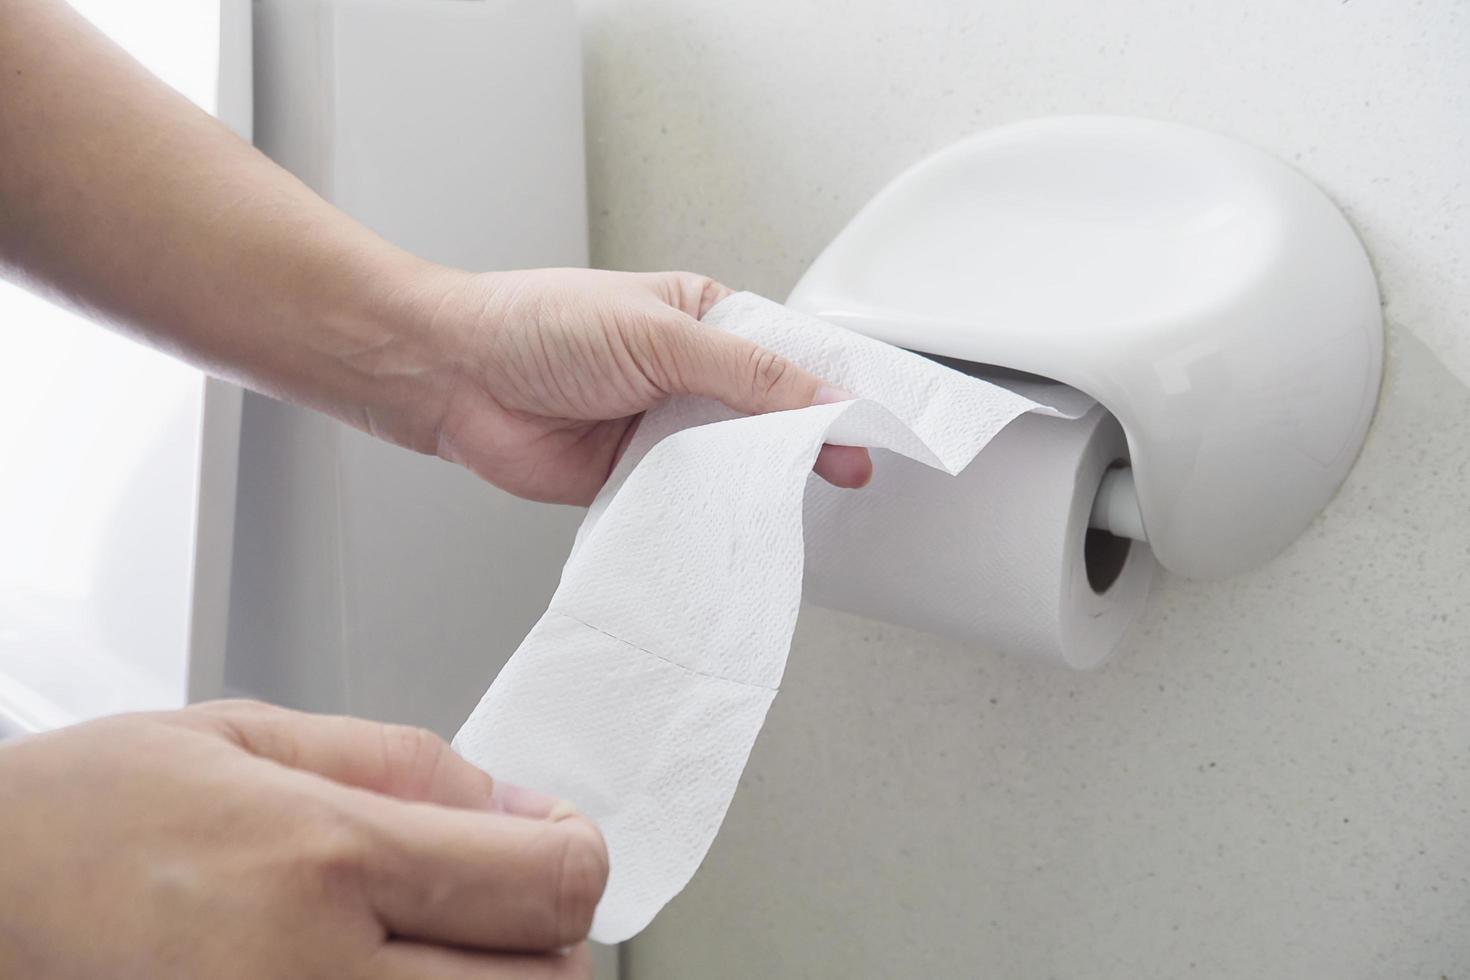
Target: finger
[
  {"x": 397, "y": 760},
  {"x": 715, "y": 364},
  {"x": 849, "y": 467},
  {"x": 481, "y": 880},
  {"x": 750, "y": 379},
  {"x": 401, "y": 960},
  {"x": 696, "y": 360},
  {"x": 688, "y": 292}
]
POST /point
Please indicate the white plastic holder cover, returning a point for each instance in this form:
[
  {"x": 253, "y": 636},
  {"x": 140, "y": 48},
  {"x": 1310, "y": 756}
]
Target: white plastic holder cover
[{"x": 1205, "y": 292}]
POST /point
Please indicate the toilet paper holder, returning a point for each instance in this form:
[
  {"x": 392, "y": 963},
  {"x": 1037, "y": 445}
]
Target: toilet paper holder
[{"x": 1207, "y": 294}]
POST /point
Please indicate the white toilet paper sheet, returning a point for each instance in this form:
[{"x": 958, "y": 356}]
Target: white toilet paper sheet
[{"x": 639, "y": 694}]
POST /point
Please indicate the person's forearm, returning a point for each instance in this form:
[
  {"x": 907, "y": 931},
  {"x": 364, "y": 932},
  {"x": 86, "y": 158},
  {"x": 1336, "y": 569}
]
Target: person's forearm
[{"x": 120, "y": 196}]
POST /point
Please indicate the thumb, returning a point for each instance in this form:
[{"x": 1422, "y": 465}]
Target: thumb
[
  {"x": 750, "y": 379},
  {"x": 747, "y": 377},
  {"x": 701, "y": 360}
]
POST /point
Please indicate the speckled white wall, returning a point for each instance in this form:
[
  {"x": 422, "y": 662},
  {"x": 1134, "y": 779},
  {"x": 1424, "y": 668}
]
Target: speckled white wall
[{"x": 1273, "y": 780}]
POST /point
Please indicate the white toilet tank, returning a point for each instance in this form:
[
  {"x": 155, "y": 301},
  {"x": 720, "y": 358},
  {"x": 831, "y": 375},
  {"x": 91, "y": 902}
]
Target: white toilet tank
[{"x": 365, "y": 578}]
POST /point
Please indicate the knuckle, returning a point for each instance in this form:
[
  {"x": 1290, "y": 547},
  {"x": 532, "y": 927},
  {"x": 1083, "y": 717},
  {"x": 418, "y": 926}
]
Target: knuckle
[
  {"x": 654, "y": 348},
  {"x": 675, "y": 288},
  {"x": 255, "y": 726},
  {"x": 233, "y": 708},
  {"x": 694, "y": 292},
  {"x": 768, "y": 371},
  {"x": 333, "y": 852},
  {"x": 412, "y": 757},
  {"x": 710, "y": 294}
]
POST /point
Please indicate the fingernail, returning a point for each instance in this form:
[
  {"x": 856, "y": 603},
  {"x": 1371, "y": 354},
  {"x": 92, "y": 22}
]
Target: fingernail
[
  {"x": 827, "y": 394},
  {"x": 522, "y": 802}
]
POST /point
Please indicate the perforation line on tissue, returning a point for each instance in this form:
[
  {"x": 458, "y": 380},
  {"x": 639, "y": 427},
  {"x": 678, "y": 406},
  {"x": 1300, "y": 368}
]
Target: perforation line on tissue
[{"x": 639, "y": 695}]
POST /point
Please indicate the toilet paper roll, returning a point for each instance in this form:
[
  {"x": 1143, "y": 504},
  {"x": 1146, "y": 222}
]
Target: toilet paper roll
[
  {"x": 999, "y": 556},
  {"x": 639, "y": 694}
]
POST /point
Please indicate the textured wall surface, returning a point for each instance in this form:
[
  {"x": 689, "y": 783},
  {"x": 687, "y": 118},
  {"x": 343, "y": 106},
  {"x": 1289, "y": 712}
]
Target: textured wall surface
[{"x": 1273, "y": 779}]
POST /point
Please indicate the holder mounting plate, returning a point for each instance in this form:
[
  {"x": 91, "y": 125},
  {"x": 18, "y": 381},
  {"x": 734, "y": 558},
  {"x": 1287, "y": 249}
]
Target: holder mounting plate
[{"x": 1206, "y": 293}]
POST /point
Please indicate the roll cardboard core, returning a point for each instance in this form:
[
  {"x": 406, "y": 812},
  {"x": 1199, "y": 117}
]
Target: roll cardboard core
[{"x": 1104, "y": 555}]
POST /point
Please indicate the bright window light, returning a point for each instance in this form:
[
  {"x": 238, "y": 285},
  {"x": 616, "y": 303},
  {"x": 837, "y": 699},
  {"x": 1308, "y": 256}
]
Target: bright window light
[{"x": 99, "y": 461}]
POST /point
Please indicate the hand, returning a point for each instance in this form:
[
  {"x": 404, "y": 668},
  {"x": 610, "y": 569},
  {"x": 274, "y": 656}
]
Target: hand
[
  {"x": 554, "y": 366},
  {"x": 534, "y": 380},
  {"x": 237, "y": 840}
]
